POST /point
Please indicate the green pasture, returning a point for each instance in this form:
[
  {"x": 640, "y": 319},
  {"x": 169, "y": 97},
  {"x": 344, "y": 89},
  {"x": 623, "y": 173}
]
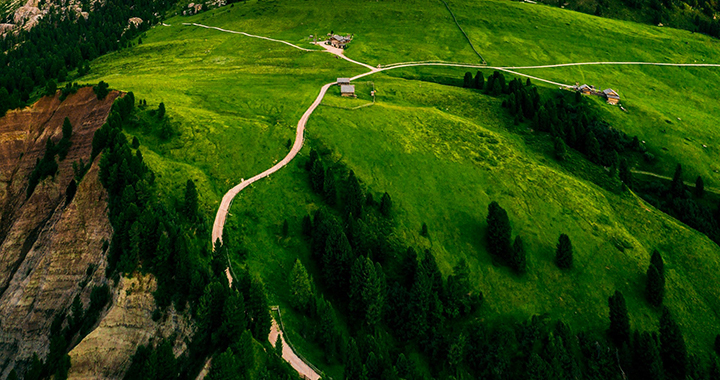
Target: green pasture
[{"x": 442, "y": 152}]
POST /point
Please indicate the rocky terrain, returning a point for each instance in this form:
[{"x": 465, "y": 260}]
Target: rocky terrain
[
  {"x": 52, "y": 245},
  {"x": 47, "y": 244}
]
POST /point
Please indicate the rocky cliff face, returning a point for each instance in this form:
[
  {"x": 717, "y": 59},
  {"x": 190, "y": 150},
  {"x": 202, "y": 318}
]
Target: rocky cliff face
[
  {"x": 49, "y": 245},
  {"x": 106, "y": 352},
  {"x": 52, "y": 248}
]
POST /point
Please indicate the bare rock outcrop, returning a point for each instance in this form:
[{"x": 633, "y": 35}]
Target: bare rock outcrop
[
  {"x": 107, "y": 351},
  {"x": 47, "y": 241}
]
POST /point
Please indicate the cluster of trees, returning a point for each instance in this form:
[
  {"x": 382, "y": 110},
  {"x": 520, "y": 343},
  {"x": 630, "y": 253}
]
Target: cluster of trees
[
  {"x": 650, "y": 355},
  {"x": 499, "y": 234},
  {"x": 687, "y": 205},
  {"x": 64, "y": 41},
  {"x": 48, "y": 166}
]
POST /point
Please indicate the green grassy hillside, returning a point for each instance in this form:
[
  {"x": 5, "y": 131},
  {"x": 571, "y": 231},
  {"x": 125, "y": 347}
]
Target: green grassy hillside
[{"x": 443, "y": 153}]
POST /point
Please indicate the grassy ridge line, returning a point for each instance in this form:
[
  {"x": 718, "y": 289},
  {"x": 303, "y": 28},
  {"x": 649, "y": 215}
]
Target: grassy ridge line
[{"x": 615, "y": 63}]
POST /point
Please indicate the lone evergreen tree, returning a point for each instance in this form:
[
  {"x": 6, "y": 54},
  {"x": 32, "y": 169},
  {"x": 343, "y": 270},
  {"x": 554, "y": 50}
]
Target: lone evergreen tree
[
  {"x": 518, "y": 260},
  {"x": 699, "y": 187},
  {"x": 499, "y": 232},
  {"x": 619, "y": 320},
  {"x": 564, "y": 253}
]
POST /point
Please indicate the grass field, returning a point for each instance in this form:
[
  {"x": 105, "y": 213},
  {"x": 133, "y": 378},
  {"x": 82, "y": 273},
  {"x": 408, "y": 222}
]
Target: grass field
[{"x": 442, "y": 152}]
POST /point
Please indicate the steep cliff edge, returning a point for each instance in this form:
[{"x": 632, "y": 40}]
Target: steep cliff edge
[{"x": 48, "y": 247}]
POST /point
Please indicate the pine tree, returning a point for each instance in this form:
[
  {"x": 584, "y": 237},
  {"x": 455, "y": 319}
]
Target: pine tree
[
  {"x": 328, "y": 188},
  {"x": 564, "y": 253},
  {"x": 234, "y": 320},
  {"x": 619, "y": 320},
  {"x": 479, "y": 81},
  {"x": 258, "y": 310},
  {"x": 560, "y": 149},
  {"x": 67, "y": 129},
  {"x": 672, "y": 346},
  {"x": 677, "y": 187},
  {"x": 518, "y": 261},
  {"x": 190, "y": 204},
  {"x": 354, "y": 200},
  {"x": 135, "y": 143},
  {"x": 499, "y": 232},
  {"x": 648, "y": 364},
  {"x": 300, "y": 287},
  {"x": 386, "y": 205},
  {"x": 424, "y": 230},
  {"x": 317, "y": 176},
  {"x": 468, "y": 80},
  {"x": 699, "y": 187},
  {"x": 625, "y": 173},
  {"x": 224, "y": 367},
  {"x": 655, "y": 287},
  {"x": 592, "y": 148},
  {"x": 352, "y": 361}
]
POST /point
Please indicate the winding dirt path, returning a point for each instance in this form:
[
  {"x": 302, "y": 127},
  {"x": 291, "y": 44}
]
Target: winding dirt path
[{"x": 288, "y": 354}]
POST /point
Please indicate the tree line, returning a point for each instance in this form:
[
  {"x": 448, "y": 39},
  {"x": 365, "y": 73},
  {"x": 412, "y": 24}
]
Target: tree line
[{"x": 64, "y": 41}]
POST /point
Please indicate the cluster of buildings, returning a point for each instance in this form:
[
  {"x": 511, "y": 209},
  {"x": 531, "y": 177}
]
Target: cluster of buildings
[
  {"x": 338, "y": 41},
  {"x": 611, "y": 95}
]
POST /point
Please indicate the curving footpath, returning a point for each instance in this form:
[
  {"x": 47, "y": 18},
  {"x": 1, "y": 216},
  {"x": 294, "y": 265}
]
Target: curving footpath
[{"x": 288, "y": 354}]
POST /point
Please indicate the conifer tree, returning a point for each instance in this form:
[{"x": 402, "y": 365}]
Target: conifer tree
[
  {"x": 648, "y": 364},
  {"x": 190, "y": 204},
  {"x": 67, "y": 128},
  {"x": 258, "y": 310},
  {"x": 355, "y": 199},
  {"x": 479, "y": 81},
  {"x": 619, "y": 320},
  {"x": 300, "y": 286},
  {"x": 161, "y": 111},
  {"x": 468, "y": 80},
  {"x": 677, "y": 187},
  {"x": 625, "y": 173},
  {"x": 224, "y": 367},
  {"x": 564, "y": 252},
  {"x": 317, "y": 176},
  {"x": 328, "y": 189},
  {"x": 672, "y": 346},
  {"x": 560, "y": 149},
  {"x": 592, "y": 148},
  {"x": 656, "y": 260}
]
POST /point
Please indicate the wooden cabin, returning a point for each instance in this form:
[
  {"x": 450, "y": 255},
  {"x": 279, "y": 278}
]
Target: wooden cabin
[
  {"x": 612, "y": 96},
  {"x": 339, "y": 41},
  {"x": 343, "y": 81},
  {"x": 347, "y": 90}
]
